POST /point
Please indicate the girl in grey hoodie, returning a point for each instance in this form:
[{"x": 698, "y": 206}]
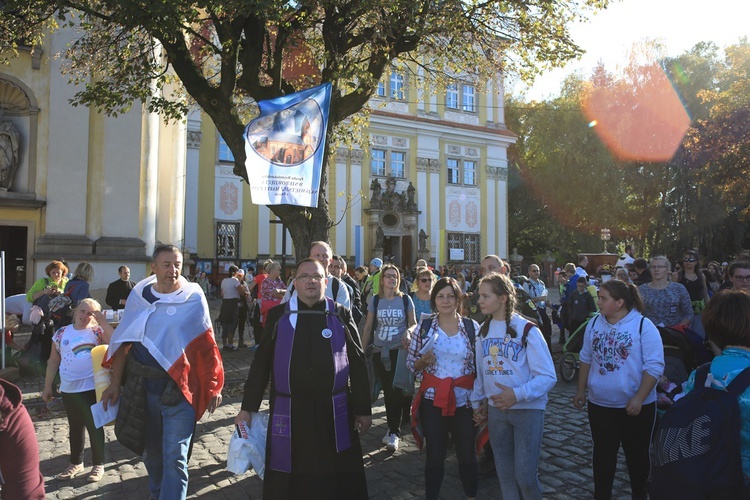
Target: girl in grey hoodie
[
  {"x": 621, "y": 360},
  {"x": 514, "y": 374}
]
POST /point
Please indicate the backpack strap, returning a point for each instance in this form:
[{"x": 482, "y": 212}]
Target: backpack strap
[
  {"x": 335, "y": 288},
  {"x": 469, "y": 326},
  {"x": 526, "y": 329},
  {"x": 739, "y": 383},
  {"x": 405, "y": 298}
]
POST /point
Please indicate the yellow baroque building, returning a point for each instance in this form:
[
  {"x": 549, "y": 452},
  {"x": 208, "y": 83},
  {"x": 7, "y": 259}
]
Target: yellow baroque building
[
  {"x": 450, "y": 146},
  {"x": 81, "y": 186}
]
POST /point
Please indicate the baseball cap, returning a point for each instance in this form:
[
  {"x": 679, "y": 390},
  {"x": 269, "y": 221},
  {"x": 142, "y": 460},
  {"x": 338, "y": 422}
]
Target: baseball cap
[{"x": 376, "y": 262}]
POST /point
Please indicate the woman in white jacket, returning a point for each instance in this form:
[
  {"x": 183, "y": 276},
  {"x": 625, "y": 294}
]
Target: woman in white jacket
[
  {"x": 514, "y": 374},
  {"x": 621, "y": 360}
]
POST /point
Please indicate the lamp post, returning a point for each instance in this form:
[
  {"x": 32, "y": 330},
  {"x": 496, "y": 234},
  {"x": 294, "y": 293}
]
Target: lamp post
[{"x": 605, "y": 236}]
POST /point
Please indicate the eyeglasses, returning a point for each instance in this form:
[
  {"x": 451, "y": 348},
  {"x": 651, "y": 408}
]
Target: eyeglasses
[
  {"x": 534, "y": 270},
  {"x": 304, "y": 278},
  {"x": 741, "y": 277},
  {"x": 689, "y": 259},
  {"x": 425, "y": 280},
  {"x": 390, "y": 277},
  {"x": 659, "y": 267}
]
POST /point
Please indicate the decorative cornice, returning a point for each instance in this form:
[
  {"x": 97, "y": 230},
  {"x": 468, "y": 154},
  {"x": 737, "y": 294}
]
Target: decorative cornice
[
  {"x": 434, "y": 166},
  {"x": 423, "y": 164},
  {"x": 356, "y": 156},
  {"x": 342, "y": 155},
  {"x": 194, "y": 139},
  {"x": 380, "y": 140},
  {"x": 497, "y": 173}
]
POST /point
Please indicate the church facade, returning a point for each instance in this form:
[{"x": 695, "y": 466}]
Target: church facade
[
  {"x": 78, "y": 185},
  {"x": 431, "y": 183}
]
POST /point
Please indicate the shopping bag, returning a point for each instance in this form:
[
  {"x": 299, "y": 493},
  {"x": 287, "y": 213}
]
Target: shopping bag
[{"x": 247, "y": 446}]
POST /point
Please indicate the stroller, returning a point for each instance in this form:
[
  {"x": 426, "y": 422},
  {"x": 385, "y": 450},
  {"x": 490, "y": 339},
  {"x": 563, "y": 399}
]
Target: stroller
[{"x": 569, "y": 363}]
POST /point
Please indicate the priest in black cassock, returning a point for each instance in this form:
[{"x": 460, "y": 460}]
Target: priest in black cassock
[{"x": 320, "y": 396}]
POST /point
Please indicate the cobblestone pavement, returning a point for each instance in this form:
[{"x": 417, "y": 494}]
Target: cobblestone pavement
[{"x": 564, "y": 469}]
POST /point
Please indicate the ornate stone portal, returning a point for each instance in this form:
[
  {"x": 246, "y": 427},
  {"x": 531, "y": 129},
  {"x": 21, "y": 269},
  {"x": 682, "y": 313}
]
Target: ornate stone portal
[{"x": 392, "y": 222}]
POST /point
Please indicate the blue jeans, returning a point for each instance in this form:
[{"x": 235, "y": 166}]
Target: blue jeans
[
  {"x": 516, "y": 439},
  {"x": 168, "y": 435}
]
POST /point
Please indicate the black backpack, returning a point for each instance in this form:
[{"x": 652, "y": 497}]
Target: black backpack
[{"x": 697, "y": 445}]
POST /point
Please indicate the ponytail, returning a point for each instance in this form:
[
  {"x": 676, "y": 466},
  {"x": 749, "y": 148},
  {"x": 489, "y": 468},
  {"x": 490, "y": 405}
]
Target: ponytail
[
  {"x": 501, "y": 285},
  {"x": 637, "y": 299},
  {"x": 628, "y": 292}
]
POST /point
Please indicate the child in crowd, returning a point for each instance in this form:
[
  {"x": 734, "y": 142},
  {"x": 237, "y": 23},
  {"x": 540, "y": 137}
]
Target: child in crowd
[
  {"x": 72, "y": 355},
  {"x": 580, "y": 305},
  {"x": 514, "y": 374},
  {"x": 621, "y": 360}
]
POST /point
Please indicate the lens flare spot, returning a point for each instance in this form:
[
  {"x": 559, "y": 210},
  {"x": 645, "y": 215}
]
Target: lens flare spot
[
  {"x": 645, "y": 122},
  {"x": 592, "y": 123}
]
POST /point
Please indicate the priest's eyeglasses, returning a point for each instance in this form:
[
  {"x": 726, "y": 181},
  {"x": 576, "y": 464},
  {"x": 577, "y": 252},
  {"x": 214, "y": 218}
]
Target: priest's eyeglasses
[{"x": 304, "y": 278}]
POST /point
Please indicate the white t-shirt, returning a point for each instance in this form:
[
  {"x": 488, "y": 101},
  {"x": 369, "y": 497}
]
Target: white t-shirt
[
  {"x": 229, "y": 288},
  {"x": 74, "y": 346},
  {"x": 450, "y": 359}
]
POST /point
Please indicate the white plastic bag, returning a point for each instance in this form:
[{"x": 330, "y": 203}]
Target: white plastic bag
[{"x": 247, "y": 447}]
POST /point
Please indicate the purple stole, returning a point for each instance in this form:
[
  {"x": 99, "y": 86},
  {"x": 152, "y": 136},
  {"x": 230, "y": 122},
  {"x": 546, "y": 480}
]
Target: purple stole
[{"x": 281, "y": 418}]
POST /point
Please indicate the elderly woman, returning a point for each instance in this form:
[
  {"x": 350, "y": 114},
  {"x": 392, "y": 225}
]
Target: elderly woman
[{"x": 41, "y": 292}]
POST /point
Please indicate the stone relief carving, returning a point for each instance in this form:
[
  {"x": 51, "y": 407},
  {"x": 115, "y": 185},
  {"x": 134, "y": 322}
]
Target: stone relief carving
[
  {"x": 9, "y": 144},
  {"x": 194, "y": 139}
]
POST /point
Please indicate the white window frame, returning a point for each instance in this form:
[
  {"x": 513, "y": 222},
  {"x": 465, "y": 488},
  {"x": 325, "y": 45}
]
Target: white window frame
[
  {"x": 451, "y": 96},
  {"x": 397, "y": 84},
  {"x": 453, "y": 170},
  {"x": 470, "y": 171},
  {"x": 378, "y": 162},
  {"x": 223, "y": 150},
  {"x": 468, "y": 98},
  {"x": 398, "y": 166},
  {"x": 389, "y": 162}
]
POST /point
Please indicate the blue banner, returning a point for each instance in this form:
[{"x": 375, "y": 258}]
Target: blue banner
[{"x": 285, "y": 148}]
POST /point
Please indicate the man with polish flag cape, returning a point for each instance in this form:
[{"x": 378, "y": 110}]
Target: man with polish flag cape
[{"x": 164, "y": 355}]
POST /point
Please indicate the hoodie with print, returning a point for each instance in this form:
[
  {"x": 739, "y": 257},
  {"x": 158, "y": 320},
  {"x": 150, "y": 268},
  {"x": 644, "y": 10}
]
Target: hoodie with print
[
  {"x": 619, "y": 354},
  {"x": 528, "y": 369}
]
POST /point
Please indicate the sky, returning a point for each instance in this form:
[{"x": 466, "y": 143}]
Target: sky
[{"x": 679, "y": 24}]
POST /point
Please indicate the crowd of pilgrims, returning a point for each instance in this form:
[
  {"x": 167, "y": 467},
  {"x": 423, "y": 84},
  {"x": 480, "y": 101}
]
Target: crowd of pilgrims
[{"x": 463, "y": 356}]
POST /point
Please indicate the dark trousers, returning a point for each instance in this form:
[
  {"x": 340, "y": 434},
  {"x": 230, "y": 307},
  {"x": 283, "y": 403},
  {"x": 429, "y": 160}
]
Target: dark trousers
[
  {"x": 228, "y": 316},
  {"x": 612, "y": 427},
  {"x": 78, "y": 409},
  {"x": 395, "y": 400},
  {"x": 241, "y": 322},
  {"x": 546, "y": 326},
  {"x": 436, "y": 428}
]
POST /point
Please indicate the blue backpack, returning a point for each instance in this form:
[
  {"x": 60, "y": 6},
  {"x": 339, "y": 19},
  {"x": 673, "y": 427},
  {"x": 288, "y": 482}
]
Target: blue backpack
[{"x": 697, "y": 445}]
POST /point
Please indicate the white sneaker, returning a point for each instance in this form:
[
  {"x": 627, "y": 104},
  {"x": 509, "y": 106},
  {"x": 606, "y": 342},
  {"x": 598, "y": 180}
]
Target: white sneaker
[
  {"x": 387, "y": 437},
  {"x": 393, "y": 441}
]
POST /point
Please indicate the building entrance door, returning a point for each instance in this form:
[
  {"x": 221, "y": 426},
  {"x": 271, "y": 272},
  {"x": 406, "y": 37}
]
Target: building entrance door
[
  {"x": 13, "y": 241},
  {"x": 392, "y": 249}
]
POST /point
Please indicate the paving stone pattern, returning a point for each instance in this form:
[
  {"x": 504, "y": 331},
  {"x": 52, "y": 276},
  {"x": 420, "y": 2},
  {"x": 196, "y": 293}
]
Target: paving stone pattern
[{"x": 564, "y": 470}]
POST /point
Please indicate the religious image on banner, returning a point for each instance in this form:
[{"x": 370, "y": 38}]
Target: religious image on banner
[{"x": 285, "y": 147}]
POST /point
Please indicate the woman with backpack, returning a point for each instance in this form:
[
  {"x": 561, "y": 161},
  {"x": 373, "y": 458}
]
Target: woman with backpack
[
  {"x": 515, "y": 372},
  {"x": 727, "y": 323},
  {"x": 621, "y": 360},
  {"x": 441, "y": 355},
  {"x": 390, "y": 315},
  {"x": 76, "y": 290}
]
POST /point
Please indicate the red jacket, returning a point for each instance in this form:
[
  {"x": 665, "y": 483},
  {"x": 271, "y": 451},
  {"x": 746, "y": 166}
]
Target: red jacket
[{"x": 19, "y": 452}]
